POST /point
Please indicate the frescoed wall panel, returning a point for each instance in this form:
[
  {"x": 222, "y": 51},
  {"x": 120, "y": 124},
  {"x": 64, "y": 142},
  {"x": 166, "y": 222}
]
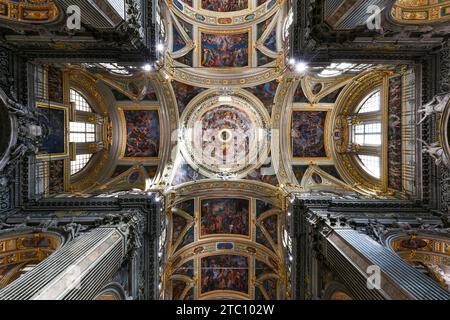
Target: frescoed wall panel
[
  {"x": 184, "y": 93},
  {"x": 224, "y": 5},
  {"x": 266, "y": 93},
  {"x": 308, "y": 134},
  {"x": 225, "y": 50},
  {"x": 141, "y": 129},
  {"x": 225, "y": 216},
  {"x": 225, "y": 272}
]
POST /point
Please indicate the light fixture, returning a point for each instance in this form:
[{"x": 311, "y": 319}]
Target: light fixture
[
  {"x": 147, "y": 67},
  {"x": 301, "y": 66},
  {"x": 225, "y": 99},
  {"x": 160, "y": 47},
  {"x": 292, "y": 61}
]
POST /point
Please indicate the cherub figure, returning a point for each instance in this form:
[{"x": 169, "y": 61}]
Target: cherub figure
[
  {"x": 436, "y": 152},
  {"x": 436, "y": 105}
]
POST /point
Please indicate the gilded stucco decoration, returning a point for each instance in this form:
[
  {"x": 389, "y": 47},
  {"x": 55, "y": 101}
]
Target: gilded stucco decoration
[
  {"x": 20, "y": 250},
  {"x": 242, "y": 53},
  {"x": 421, "y": 11},
  {"x": 225, "y": 133},
  {"x": 30, "y": 11},
  {"x": 225, "y": 241},
  {"x": 427, "y": 251}
]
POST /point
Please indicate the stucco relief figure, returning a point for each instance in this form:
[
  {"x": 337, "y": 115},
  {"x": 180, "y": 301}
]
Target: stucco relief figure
[
  {"x": 436, "y": 152},
  {"x": 436, "y": 105}
]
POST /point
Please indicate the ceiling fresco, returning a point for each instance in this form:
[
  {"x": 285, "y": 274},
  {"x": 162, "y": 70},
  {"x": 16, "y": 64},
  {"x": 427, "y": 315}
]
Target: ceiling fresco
[
  {"x": 228, "y": 129},
  {"x": 225, "y": 246},
  {"x": 220, "y": 50}
]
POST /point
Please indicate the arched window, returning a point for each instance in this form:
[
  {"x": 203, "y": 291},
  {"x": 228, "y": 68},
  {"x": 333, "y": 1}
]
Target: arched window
[
  {"x": 372, "y": 165},
  {"x": 79, "y": 163},
  {"x": 84, "y": 132},
  {"x": 372, "y": 103},
  {"x": 367, "y": 133},
  {"x": 80, "y": 102}
]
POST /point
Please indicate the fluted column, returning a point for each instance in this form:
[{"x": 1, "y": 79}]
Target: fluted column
[{"x": 78, "y": 271}]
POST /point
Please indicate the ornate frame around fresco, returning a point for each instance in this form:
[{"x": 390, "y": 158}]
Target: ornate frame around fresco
[
  {"x": 234, "y": 18},
  {"x": 326, "y": 134},
  {"x": 65, "y": 154},
  {"x": 273, "y": 256},
  {"x": 202, "y": 31},
  {"x": 121, "y": 109},
  {"x": 208, "y": 99},
  {"x": 251, "y": 219},
  {"x": 210, "y": 78},
  {"x": 249, "y": 8}
]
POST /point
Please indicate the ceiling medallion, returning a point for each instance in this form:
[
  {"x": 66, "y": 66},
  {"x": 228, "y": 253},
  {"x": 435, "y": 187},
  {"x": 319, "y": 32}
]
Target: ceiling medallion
[{"x": 225, "y": 133}]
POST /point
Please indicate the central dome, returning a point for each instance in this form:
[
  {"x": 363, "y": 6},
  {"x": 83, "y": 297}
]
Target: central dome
[{"x": 225, "y": 138}]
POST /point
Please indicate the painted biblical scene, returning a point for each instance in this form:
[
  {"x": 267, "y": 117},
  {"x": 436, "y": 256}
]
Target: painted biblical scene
[
  {"x": 224, "y": 5},
  {"x": 54, "y": 142},
  {"x": 262, "y": 207},
  {"x": 263, "y": 59},
  {"x": 187, "y": 239},
  {"x": 179, "y": 224},
  {"x": 143, "y": 133},
  {"x": 225, "y": 50},
  {"x": 299, "y": 95},
  {"x": 330, "y": 169},
  {"x": 262, "y": 268},
  {"x": 332, "y": 97},
  {"x": 185, "y": 173},
  {"x": 261, "y": 239},
  {"x": 271, "y": 40},
  {"x": 266, "y": 93},
  {"x": 178, "y": 287},
  {"x": 299, "y": 172},
  {"x": 270, "y": 286},
  {"x": 271, "y": 225},
  {"x": 187, "y": 269},
  {"x": 225, "y": 216},
  {"x": 184, "y": 94},
  {"x": 224, "y": 272},
  {"x": 150, "y": 93},
  {"x": 187, "y": 206},
  {"x": 187, "y": 59},
  {"x": 260, "y": 175},
  {"x": 178, "y": 41},
  {"x": 308, "y": 134},
  {"x": 225, "y": 135}
]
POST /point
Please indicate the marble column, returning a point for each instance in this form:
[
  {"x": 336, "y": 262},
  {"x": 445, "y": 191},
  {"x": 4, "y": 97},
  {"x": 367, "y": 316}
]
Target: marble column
[{"x": 77, "y": 271}]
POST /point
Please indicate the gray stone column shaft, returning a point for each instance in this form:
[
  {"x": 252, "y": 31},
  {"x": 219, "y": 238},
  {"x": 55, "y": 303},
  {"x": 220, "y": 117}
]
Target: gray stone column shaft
[{"x": 77, "y": 271}]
